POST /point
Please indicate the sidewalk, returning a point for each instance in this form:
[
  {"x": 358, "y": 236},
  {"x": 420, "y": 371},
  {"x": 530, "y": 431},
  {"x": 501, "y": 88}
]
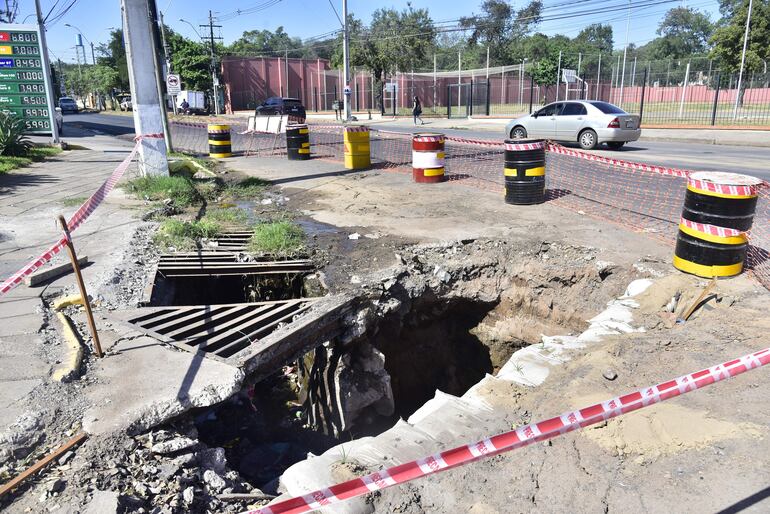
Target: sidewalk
[{"x": 30, "y": 200}]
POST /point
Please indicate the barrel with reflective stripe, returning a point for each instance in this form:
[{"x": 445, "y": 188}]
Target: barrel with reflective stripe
[
  {"x": 357, "y": 149},
  {"x": 428, "y": 158},
  {"x": 219, "y": 140},
  {"x": 298, "y": 142},
  {"x": 718, "y": 210},
  {"x": 524, "y": 171}
]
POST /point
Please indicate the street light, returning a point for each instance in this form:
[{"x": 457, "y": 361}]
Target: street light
[
  {"x": 192, "y": 27},
  {"x": 93, "y": 59}
]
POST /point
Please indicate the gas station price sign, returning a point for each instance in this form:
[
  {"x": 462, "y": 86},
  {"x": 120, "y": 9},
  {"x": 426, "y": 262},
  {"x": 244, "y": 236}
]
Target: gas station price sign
[{"x": 23, "y": 77}]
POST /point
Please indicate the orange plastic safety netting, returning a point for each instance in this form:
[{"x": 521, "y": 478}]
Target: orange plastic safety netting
[{"x": 644, "y": 198}]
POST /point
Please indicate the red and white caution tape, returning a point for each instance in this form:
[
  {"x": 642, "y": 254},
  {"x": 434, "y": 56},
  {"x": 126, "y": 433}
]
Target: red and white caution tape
[
  {"x": 713, "y": 230},
  {"x": 357, "y": 128},
  {"x": 636, "y": 166},
  {"x": 475, "y": 142},
  {"x": 725, "y": 189},
  {"x": 77, "y": 219},
  {"x": 515, "y": 439},
  {"x": 518, "y": 147}
]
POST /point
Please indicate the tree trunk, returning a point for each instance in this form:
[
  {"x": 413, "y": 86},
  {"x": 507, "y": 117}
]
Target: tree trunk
[{"x": 378, "y": 90}]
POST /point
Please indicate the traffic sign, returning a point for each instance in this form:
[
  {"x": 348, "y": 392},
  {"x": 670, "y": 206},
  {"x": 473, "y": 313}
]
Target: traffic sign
[
  {"x": 346, "y": 90},
  {"x": 173, "y": 84},
  {"x": 23, "y": 77}
]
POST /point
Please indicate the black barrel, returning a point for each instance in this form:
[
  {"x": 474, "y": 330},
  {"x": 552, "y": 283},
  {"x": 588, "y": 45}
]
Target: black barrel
[
  {"x": 524, "y": 171},
  {"x": 298, "y": 142},
  {"x": 718, "y": 210}
]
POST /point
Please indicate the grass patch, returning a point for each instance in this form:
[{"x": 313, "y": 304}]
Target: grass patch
[
  {"x": 279, "y": 238},
  {"x": 249, "y": 188},
  {"x": 158, "y": 188},
  {"x": 36, "y": 154},
  {"x": 183, "y": 235},
  {"x": 206, "y": 163},
  {"x": 227, "y": 216},
  {"x": 74, "y": 201}
]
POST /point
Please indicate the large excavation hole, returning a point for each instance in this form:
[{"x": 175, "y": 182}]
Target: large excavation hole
[{"x": 433, "y": 348}]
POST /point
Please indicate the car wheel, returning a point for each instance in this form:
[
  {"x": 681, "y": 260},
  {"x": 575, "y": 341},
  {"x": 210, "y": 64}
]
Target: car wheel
[
  {"x": 616, "y": 145},
  {"x": 519, "y": 133},
  {"x": 587, "y": 139}
]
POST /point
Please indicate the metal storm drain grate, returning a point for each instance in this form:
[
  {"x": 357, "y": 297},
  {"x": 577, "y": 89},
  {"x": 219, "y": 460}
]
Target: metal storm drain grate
[
  {"x": 231, "y": 241},
  {"x": 197, "y": 264},
  {"x": 219, "y": 330}
]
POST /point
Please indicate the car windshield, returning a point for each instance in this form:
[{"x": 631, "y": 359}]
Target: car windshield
[{"x": 608, "y": 108}]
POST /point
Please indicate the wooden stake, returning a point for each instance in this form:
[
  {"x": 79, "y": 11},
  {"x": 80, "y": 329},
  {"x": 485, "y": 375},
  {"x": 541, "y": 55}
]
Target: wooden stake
[
  {"x": 700, "y": 298},
  {"x": 13, "y": 484},
  {"x": 82, "y": 286}
]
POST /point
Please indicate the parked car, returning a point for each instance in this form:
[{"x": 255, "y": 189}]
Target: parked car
[
  {"x": 279, "y": 105},
  {"x": 68, "y": 104},
  {"x": 589, "y": 123}
]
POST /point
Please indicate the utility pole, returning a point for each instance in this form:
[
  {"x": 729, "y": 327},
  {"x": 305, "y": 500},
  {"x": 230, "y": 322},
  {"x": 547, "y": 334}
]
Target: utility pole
[
  {"x": 166, "y": 50},
  {"x": 93, "y": 59},
  {"x": 743, "y": 60},
  {"x": 625, "y": 50},
  {"x": 47, "y": 72},
  {"x": 160, "y": 80},
  {"x": 346, "y": 58},
  {"x": 142, "y": 76},
  {"x": 558, "y": 77},
  {"x": 214, "y": 77}
]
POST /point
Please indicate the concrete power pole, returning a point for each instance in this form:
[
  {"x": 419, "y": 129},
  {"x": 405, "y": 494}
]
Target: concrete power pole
[
  {"x": 214, "y": 77},
  {"x": 148, "y": 118},
  {"x": 160, "y": 79},
  {"x": 346, "y": 58},
  {"x": 47, "y": 71}
]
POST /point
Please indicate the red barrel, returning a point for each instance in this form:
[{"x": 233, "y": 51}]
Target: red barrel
[{"x": 428, "y": 158}]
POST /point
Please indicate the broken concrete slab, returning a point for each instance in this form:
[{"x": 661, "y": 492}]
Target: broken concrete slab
[
  {"x": 103, "y": 502},
  {"x": 26, "y": 324},
  {"x": 144, "y": 383},
  {"x": 44, "y": 275}
]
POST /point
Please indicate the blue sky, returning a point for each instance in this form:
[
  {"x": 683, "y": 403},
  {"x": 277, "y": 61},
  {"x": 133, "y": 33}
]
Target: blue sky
[{"x": 307, "y": 18}]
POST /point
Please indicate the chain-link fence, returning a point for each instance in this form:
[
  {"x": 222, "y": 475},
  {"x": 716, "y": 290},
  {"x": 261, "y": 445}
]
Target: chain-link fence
[{"x": 666, "y": 92}]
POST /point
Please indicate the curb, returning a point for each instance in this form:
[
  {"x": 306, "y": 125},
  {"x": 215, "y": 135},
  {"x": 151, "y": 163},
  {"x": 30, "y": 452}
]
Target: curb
[
  {"x": 72, "y": 361},
  {"x": 705, "y": 141}
]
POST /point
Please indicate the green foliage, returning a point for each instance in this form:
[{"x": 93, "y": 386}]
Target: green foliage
[
  {"x": 684, "y": 32},
  {"x": 74, "y": 201},
  {"x": 727, "y": 39},
  {"x": 191, "y": 60},
  {"x": 279, "y": 238},
  {"x": 227, "y": 216},
  {"x": 500, "y": 26},
  {"x": 113, "y": 55},
  {"x": 13, "y": 141},
  {"x": 101, "y": 79},
  {"x": 183, "y": 235},
  {"x": 37, "y": 153},
  {"x": 249, "y": 188},
  {"x": 156, "y": 188}
]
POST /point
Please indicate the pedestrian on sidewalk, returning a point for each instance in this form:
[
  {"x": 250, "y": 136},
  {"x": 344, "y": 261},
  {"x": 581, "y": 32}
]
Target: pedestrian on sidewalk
[{"x": 417, "y": 110}]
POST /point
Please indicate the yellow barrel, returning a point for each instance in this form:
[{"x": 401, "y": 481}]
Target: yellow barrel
[
  {"x": 219, "y": 141},
  {"x": 357, "y": 149}
]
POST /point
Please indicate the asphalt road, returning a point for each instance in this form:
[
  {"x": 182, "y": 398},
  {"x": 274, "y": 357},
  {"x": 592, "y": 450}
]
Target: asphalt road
[{"x": 694, "y": 156}]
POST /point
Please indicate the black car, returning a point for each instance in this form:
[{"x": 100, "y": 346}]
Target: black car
[{"x": 277, "y": 105}]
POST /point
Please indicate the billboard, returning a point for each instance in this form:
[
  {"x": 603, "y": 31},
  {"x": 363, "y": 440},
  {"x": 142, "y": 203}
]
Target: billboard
[{"x": 23, "y": 77}]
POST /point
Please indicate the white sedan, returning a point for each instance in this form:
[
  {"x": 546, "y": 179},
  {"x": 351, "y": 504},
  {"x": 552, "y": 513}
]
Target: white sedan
[{"x": 589, "y": 123}]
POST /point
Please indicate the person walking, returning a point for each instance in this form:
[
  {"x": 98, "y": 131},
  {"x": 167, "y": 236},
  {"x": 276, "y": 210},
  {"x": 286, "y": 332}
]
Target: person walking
[{"x": 417, "y": 110}]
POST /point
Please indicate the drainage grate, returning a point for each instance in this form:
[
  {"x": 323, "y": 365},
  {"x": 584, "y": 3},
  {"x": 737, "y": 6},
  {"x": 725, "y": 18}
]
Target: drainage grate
[
  {"x": 206, "y": 264},
  {"x": 220, "y": 330},
  {"x": 231, "y": 241}
]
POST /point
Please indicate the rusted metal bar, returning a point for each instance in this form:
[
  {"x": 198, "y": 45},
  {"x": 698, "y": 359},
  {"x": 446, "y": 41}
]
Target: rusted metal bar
[
  {"x": 82, "y": 286},
  {"x": 14, "y": 483}
]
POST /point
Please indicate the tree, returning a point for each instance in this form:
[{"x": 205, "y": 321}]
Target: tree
[
  {"x": 499, "y": 25},
  {"x": 191, "y": 60},
  {"x": 113, "y": 55},
  {"x": 595, "y": 38},
  {"x": 728, "y": 37},
  {"x": 260, "y": 42},
  {"x": 394, "y": 41},
  {"x": 684, "y": 32}
]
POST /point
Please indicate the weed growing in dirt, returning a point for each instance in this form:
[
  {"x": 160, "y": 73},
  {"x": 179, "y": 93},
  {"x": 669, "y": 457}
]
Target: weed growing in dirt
[
  {"x": 183, "y": 235},
  {"x": 74, "y": 201},
  {"x": 249, "y": 188},
  {"x": 227, "y": 216},
  {"x": 279, "y": 238},
  {"x": 178, "y": 188}
]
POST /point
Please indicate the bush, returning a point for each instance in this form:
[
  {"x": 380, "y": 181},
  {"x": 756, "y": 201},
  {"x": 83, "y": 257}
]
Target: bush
[
  {"x": 13, "y": 141},
  {"x": 250, "y": 188},
  {"x": 157, "y": 188},
  {"x": 182, "y": 235},
  {"x": 280, "y": 238}
]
